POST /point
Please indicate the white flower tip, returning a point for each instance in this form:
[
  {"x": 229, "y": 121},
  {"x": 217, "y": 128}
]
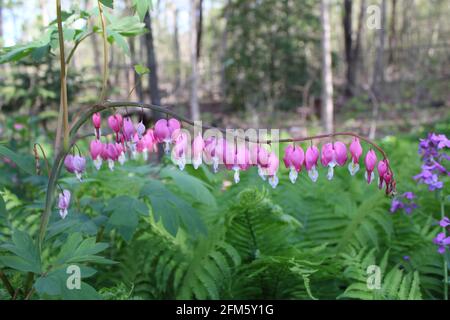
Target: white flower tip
[
  {"x": 98, "y": 163},
  {"x": 353, "y": 168},
  {"x": 273, "y": 181},
  {"x": 236, "y": 176},
  {"x": 293, "y": 174},
  {"x": 63, "y": 213},
  {"x": 111, "y": 164},
  {"x": 313, "y": 174},
  {"x": 330, "y": 173}
]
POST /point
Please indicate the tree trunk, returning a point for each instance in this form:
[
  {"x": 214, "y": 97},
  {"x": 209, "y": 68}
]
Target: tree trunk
[
  {"x": 378, "y": 72},
  {"x": 176, "y": 51},
  {"x": 151, "y": 63},
  {"x": 352, "y": 47},
  {"x": 1, "y": 23},
  {"x": 223, "y": 50},
  {"x": 195, "y": 108},
  {"x": 327, "y": 75},
  {"x": 393, "y": 32},
  {"x": 136, "y": 81},
  {"x": 348, "y": 43}
]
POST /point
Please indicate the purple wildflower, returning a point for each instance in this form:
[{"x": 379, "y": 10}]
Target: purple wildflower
[
  {"x": 444, "y": 222},
  {"x": 442, "y": 241},
  {"x": 405, "y": 202}
]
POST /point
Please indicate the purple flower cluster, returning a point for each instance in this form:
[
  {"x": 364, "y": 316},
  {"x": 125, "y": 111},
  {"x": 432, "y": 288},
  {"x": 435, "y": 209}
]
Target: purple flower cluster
[
  {"x": 404, "y": 202},
  {"x": 432, "y": 155}
]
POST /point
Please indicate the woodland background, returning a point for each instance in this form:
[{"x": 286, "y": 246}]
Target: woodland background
[{"x": 240, "y": 64}]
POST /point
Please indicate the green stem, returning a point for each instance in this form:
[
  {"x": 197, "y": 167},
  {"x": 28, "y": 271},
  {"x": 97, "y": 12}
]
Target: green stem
[
  {"x": 444, "y": 230},
  {"x": 77, "y": 43},
  {"x": 64, "y": 108},
  {"x": 105, "y": 53}
]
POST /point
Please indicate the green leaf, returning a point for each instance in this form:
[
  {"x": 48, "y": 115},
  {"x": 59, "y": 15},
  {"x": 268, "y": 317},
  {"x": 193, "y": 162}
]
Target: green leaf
[
  {"x": 125, "y": 215},
  {"x": 190, "y": 185},
  {"x": 171, "y": 209},
  {"x": 26, "y": 255},
  {"x": 140, "y": 69},
  {"x": 78, "y": 250},
  {"x": 108, "y": 3},
  {"x": 55, "y": 284},
  {"x": 24, "y": 162},
  {"x": 142, "y": 6},
  {"x": 19, "y": 263},
  {"x": 120, "y": 40}
]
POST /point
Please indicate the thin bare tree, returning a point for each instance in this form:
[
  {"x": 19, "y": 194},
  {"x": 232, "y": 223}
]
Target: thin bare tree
[
  {"x": 327, "y": 74},
  {"x": 194, "y": 51}
]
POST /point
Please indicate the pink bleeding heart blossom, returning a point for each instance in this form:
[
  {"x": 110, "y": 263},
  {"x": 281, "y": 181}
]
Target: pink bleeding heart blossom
[
  {"x": 140, "y": 129},
  {"x": 333, "y": 154},
  {"x": 63, "y": 203},
  {"x": 355, "y": 152},
  {"x": 128, "y": 129},
  {"x": 294, "y": 158},
  {"x": 75, "y": 164},
  {"x": 146, "y": 144},
  {"x": 163, "y": 131},
  {"x": 115, "y": 122},
  {"x": 382, "y": 170},
  {"x": 212, "y": 152},
  {"x": 259, "y": 156},
  {"x": 197, "y": 151},
  {"x": 97, "y": 121},
  {"x": 370, "y": 162},
  {"x": 111, "y": 154},
  {"x": 120, "y": 150},
  {"x": 96, "y": 150},
  {"x": 179, "y": 151},
  {"x": 272, "y": 168},
  {"x": 236, "y": 158},
  {"x": 311, "y": 159}
]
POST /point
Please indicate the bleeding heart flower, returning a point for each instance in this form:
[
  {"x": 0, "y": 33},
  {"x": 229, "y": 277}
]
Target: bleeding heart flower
[
  {"x": 293, "y": 160},
  {"x": 370, "y": 162},
  {"x": 68, "y": 163},
  {"x": 259, "y": 156},
  {"x": 356, "y": 152},
  {"x": 197, "y": 151},
  {"x": 272, "y": 168},
  {"x": 236, "y": 158},
  {"x": 333, "y": 154},
  {"x": 111, "y": 153},
  {"x": 382, "y": 170},
  {"x": 96, "y": 149},
  {"x": 140, "y": 129},
  {"x": 212, "y": 152},
  {"x": 311, "y": 159},
  {"x": 79, "y": 165},
  {"x": 180, "y": 149},
  {"x": 164, "y": 130},
  {"x": 128, "y": 129},
  {"x": 97, "y": 121},
  {"x": 120, "y": 150},
  {"x": 63, "y": 203},
  {"x": 115, "y": 122}
]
